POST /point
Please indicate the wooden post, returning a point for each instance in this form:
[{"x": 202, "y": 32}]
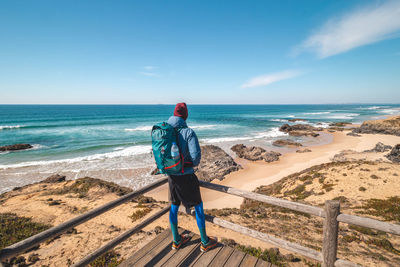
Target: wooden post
[{"x": 331, "y": 226}]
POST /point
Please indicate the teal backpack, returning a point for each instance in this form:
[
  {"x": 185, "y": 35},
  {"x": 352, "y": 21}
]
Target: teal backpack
[{"x": 163, "y": 135}]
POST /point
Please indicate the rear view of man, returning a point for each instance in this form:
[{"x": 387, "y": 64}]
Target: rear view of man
[{"x": 184, "y": 187}]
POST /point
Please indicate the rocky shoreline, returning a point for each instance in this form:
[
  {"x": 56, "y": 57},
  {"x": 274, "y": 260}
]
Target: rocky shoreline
[{"x": 15, "y": 147}]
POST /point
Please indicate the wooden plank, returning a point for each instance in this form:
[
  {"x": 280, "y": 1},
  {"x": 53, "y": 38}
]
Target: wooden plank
[
  {"x": 307, "y": 252},
  {"x": 157, "y": 253},
  {"x": 370, "y": 223},
  {"x": 331, "y": 227},
  {"x": 221, "y": 257},
  {"x": 206, "y": 257},
  {"x": 235, "y": 259},
  {"x": 184, "y": 253},
  {"x": 261, "y": 263},
  {"x": 32, "y": 241},
  {"x": 192, "y": 258},
  {"x": 166, "y": 254},
  {"x": 249, "y": 261},
  {"x": 266, "y": 199},
  {"x": 119, "y": 239},
  {"x": 145, "y": 249}
]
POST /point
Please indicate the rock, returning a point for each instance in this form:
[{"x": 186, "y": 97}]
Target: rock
[
  {"x": 305, "y": 150},
  {"x": 255, "y": 153},
  {"x": 340, "y": 124},
  {"x": 345, "y": 155},
  {"x": 334, "y": 128},
  {"x": 15, "y": 147},
  {"x": 271, "y": 156},
  {"x": 303, "y": 133},
  {"x": 286, "y": 142},
  {"x": 215, "y": 164},
  {"x": 56, "y": 178},
  {"x": 387, "y": 126},
  {"x": 300, "y": 130},
  {"x": 379, "y": 147},
  {"x": 299, "y": 127},
  {"x": 294, "y": 120},
  {"x": 353, "y": 134},
  {"x": 394, "y": 155},
  {"x": 158, "y": 230}
]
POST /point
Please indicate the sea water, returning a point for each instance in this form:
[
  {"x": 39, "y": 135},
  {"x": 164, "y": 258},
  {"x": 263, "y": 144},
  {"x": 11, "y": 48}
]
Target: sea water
[{"x": 113, "y": 142}]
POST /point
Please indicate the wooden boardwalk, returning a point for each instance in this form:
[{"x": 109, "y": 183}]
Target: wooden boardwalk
[{"x": 158, "y": 252}]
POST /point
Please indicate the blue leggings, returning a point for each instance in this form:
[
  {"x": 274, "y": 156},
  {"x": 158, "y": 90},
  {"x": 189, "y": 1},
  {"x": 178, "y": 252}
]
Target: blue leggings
[{"x": 200, "y": 219}]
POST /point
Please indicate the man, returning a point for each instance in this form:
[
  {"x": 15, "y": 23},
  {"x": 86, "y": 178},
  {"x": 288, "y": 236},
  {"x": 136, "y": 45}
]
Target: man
[{"x": 184, "y": 187}]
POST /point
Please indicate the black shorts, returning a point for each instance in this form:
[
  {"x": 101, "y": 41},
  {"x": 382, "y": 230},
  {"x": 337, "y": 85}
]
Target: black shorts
[{"x": 184, "y": 189}]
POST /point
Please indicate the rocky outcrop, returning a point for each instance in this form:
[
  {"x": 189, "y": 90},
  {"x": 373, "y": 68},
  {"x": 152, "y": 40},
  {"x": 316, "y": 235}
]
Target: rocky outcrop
[
  {"x": 286, "y": 142},
  {"x": 56, "y": 178},
  {"x": 394, "y": 155},
  {"x": 215, "y": 164},
  {"x": 386, "y": 126},
  {"x": 255, "y": 153},
  {"x": 305, "y": 150},
  {"x": 15, "y": 147},
  {"x": 353, "y": 134},
  {"x": 379, "y": 147},
  {"x": 339, "y": 124},
  {"x": 300, "y": 130}
]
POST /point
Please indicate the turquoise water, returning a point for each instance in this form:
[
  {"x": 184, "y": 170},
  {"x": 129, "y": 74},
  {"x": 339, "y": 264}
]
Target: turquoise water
[{"x": 87, "y": 139}]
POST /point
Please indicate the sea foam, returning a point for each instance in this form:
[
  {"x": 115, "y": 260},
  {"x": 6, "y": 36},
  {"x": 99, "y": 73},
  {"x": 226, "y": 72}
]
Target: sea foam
[
  {"x": 126, "y": 152},
  {"x": 8, "y": 127}
]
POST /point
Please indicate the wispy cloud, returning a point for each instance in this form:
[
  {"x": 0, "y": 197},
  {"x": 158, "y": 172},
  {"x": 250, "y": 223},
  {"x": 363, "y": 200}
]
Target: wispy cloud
[
  {"x": 267, "y": 79},
  {"x": 149, "y": 71},
  {"x": 360, "y": 27}
]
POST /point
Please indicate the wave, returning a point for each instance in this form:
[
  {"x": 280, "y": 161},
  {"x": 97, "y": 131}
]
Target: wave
[
  {"x": 148, "y": 128},
  {"x": 8, "y": 127},
  {"x": 273, "y": 133},
  {"x": 343, "y": 116},
  {"x": 317, "y": 113},
  {"x": 139, "y": 128},
  {"x": 390, "y": 111},
  {"x": 226, "y": 139},
  {"x": 126, "y": 152},
  {"x": 207, "y": 126},
  {"x": 370, "y": 108}
]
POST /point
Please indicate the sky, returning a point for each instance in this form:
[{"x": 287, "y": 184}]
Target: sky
[{"x": 200, "y": 52}]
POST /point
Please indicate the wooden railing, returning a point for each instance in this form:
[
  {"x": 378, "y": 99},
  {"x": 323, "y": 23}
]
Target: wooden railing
[{"x": 331, "y": 213}]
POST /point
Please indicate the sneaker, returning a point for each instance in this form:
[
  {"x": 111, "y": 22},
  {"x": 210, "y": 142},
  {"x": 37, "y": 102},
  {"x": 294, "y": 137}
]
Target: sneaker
[
  {"x": 212, "y": 242},
  {"x": 184, "y": 239}
]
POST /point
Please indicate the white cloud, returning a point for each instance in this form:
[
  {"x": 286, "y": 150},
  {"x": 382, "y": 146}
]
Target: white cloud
[
  {"x": 267, "y": 79},
  {"x": 357, "y": 28}
]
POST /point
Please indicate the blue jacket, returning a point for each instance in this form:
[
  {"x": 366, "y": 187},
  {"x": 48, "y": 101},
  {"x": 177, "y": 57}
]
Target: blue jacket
[{"x": 188, "y": 143}]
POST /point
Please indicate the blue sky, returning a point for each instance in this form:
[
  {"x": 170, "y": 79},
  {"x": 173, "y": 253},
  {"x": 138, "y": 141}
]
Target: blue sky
[{"x": 200, "y": 52}]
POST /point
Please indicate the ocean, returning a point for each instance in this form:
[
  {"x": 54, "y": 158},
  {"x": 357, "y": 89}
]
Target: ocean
[{"x": 113, "y": 142}]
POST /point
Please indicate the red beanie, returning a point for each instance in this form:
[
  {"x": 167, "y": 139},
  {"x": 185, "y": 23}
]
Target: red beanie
[{"x": 181, "y": 111}]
